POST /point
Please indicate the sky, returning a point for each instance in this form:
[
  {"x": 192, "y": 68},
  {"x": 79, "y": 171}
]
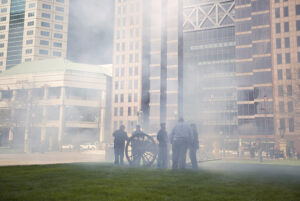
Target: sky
[{"x": 90, "y": 37}]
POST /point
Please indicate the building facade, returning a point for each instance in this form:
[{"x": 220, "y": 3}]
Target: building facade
[
  {"x": 32, "y": 30},
  {"x": 53, "y": 102},
  {"x": 209, "y": 80}
]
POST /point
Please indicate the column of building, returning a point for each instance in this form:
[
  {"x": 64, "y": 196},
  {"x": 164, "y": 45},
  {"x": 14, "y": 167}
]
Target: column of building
[{"x": 61, "y": 116}]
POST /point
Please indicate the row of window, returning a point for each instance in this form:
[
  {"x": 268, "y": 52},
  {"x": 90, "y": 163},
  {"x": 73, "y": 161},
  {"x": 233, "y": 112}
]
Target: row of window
[
  {"x": 291, "y": 124},
  {"x": 132, "y": 8},
  {"x": 290, "y": 107},
  {"x": 287, "y": 26},
  {"x": 132, "y": 21},
  {"x": 121, "y": 72},
  {"x": 133, "y": 33},
  {"x": 287, "y": 58},
  {"x": 122, "y": 46},
  {"x": 289, "y": 90},
  {"x": 120, "y": 98},
  {"x": 131, "y": 111},
  {"x": 42, "y": 33},
  {"x": 131, "y": 84},
  {"x": 43, "y": 52},
  {"x": 132, "y": 58},
  {"x": 286, "y": 42},
  {"x": 287, "y": 73}
]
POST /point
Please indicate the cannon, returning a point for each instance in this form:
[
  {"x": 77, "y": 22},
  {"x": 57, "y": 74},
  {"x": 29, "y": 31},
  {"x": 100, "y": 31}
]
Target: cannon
[{"x": 141, "y": 150}]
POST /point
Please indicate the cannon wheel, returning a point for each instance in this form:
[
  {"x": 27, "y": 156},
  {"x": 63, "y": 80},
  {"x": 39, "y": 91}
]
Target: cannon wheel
[{"x": 141, "y": 150}]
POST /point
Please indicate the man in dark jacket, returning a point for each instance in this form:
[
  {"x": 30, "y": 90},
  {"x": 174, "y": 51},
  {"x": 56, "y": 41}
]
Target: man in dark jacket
[
  {"x": 162, "y": 137},
  {"x": 180, "y": 137},
  {"x": 119, "y": 144},
  {"x": 194, "y": 146},
  {"x": 136, "y": 146}
]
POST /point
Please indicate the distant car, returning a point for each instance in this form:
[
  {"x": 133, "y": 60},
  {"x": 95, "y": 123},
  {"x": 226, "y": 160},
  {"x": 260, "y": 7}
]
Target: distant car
[
  {"x": 67, "y": 147},
  {"x": 87, "y": 146}
]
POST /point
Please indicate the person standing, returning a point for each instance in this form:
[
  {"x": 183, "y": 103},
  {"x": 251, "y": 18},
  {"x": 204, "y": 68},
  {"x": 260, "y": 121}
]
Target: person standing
[
  {"x": 181, "y": 137},
  {"x": 119, "y": 144},
  {"x": 194, "y": 146},
  {"x": 162, "y": 137}
]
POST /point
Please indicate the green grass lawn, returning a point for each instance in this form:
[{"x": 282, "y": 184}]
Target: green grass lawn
[{"x": 95, "y": 181}]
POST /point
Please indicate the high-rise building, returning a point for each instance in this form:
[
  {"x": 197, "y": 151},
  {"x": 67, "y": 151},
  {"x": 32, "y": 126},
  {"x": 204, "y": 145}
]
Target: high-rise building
[
  {"x": 209, "y": 82},
  {"x": 146, "y": 64},
  {"x": 229, "y": 66},
  {"x": 285, "y": 40},
  {"x": 32, "y": 30}
]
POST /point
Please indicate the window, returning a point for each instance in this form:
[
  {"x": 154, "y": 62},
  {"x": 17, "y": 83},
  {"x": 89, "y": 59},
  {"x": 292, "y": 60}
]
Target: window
[
  {"x": 282, "y": 123},
  {"x": 277, "y": 12},
  {"x": 46, "y": 15},
  {"x": 279, "y": 59},
  {"x": 60, "y": 9},
  {"x": 45, "y": 33},
  {"x": 129, "y": 111},
  {"x": 298, "y": 25},
  {"x": 3, "y": 10},
  {"x": 122, "y": 72},
  {"x": 279, "y": 74},
  {"x": 27, "y": 59},
  {"x": 287, "y": 42},
  {"x": 281, "y": 107},
  {"x": 1, "y": 45},
  {"x": 58, "y": 26},
  {"x": 44, "y": 42},
  {"x": 278, "y": 28},
  {"x": 46, "y": 6},
  {"x": 287, "y": 58},
  {"x": 121, "y": 111},
  {"x": 289, "y": 90},
  {"x": 28, "y": 51},
  {"x": 117, "y": 72},
  {"x": 129, "y": 98},
  {"x": 116, "y": 98},
  {"x": 121, "y": 98},
  {"x": 278, "y": 43},
  {"x": 31, "y": 5},
  {"x": 137, "y": 58},
  {"x": 2, "y": 27},
  {"x": 55, "y": 44},
  {"x": 116, "y": 85},
  {"x": 57, "y": 54},
  {"x": 2, "y": 19},
  {"x": 136, "y": 71},
  {"x": 280, "y": 90},
  {"x": 122, "y": 84},
  {"x": 45, "y": 24},
  {"x": 291, "y": 125},
  {"x": 286, "y": 11},
  {"x": 58, "y": 17},
  {"x": 298, "y": 55},
  {"x": 1, "y": 54},
  {"x": 288, "y": 74},
  {"x": 60, "y": 1},
  {"x": 57, "y": 35},
  {"x": 4, "y": 1},
  {"x": 44, "y": 52},
  {"x": 290, "y": 106},
  {"x": 298, "y": 9},
  {"x": 298, "y": 41},
  {"x": 135, "y": 97},
  {"x": 31, "y": 14},
  {"x": 2, "y": 36},
  {"x": 29, "y": 42},
  {"x": 30, "y": 23},
  {"x": 116, "y": 111},
  {"x": 135, "y": 84},
  {"x": 30, "y": 32},
  {"x": 286, "y": 27}
]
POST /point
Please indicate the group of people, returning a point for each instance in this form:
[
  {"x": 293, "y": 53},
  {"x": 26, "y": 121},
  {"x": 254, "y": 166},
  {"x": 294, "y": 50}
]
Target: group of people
[{"x": 183, "y": 137}]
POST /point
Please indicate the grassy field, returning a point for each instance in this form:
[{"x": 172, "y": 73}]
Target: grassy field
[{"x": 105, "y": 182}]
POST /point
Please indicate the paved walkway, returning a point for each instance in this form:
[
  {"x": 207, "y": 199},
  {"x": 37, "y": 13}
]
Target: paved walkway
[{"x": 51, "y": 158}]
